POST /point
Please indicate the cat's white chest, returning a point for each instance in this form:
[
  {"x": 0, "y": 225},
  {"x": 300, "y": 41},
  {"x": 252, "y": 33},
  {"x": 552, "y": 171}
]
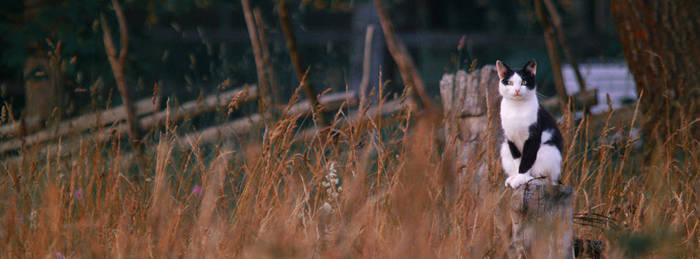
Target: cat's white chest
[{"x": 516, "y": 119}]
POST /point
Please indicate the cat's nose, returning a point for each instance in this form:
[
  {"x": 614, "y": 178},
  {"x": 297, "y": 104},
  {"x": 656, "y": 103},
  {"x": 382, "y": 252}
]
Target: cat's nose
[{"x": 517, "y": 91}]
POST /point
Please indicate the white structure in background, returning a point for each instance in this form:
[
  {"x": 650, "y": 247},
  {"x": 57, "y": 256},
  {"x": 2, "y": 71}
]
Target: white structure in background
[{"x": 609, "y": 78}]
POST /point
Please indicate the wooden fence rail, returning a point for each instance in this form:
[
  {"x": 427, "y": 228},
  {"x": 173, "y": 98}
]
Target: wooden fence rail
[
  {"x": 212, "y": 134},
  {"x": 86, "y": 121},
  {"x": 113, "y": 116},
  {"x": 70, "y": 143}
]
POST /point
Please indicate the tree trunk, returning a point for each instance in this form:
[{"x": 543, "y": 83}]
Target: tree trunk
[{"x": 660, "y": 42}]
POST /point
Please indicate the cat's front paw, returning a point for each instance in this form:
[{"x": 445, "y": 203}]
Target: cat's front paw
[{"x": 517, "y": 180}]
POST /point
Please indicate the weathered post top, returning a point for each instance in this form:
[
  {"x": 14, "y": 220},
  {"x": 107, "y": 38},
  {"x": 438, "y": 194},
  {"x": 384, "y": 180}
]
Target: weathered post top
[{"x": 542, "y": 216}]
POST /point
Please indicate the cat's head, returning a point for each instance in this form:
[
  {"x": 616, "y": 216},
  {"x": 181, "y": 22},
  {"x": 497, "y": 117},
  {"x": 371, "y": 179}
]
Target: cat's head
[{"x": 517, "y": 84}]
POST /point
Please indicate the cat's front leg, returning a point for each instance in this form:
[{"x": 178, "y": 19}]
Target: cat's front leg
[
  {"x": 511, "y": 166},
  {"x": 509, "y": 162},
  {"x": 519, "y": 179},
  {"x": 529, "y": 155}
]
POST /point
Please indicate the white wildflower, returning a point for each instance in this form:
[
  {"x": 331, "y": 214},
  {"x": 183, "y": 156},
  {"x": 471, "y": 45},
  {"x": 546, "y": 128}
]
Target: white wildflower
[
  {"x": 32, "y": 219},
  {"x": 331, "y": 182},
  {"x": 327, "y": 208}
]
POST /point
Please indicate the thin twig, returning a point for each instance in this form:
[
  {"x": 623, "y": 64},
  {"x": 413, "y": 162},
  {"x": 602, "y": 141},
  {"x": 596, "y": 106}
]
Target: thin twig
[
  {"x": 123, "y": 31},
  {"x": 398, "y": 51},
  {"x": 296, "y": 60}
]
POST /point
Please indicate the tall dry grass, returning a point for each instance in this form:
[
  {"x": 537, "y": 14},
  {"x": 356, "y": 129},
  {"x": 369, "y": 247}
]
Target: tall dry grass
[{"x": 367, "y": 187}]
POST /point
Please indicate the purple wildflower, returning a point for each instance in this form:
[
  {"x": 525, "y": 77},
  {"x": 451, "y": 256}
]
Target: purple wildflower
[
  {"x": 196, "y": 190},
  {"x": 78, "y": 194},
  {"x": 59, "y": 255}
]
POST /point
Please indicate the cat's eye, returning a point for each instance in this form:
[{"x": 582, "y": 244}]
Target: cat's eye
[
  {"x": 510, "y": 82},
  {"x": 524, "y": 82}
]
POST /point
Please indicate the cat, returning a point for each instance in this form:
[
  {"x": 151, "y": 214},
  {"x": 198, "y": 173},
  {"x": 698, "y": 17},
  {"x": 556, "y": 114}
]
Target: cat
[{"x": 532, "y": 145}]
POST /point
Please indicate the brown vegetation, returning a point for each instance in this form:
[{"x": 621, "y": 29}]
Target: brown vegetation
[{"x": 271, "y": 193}]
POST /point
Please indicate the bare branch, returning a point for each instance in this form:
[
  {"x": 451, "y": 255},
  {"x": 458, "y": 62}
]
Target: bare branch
[
  {"x": 257, "y": 53},
  {"x": 108, "y": 41},
  {"x": 366, "y": 61},
  {"x": 117, "y": 65},
  {"x": 556, "y": 21},
  {"x": 551, "y": 43},
  {"x": 123, "y": 31},
  {"x": 271, "y": 95},
  {"x": 296, "y": 60},
  {"x": 398, "y": 51}
]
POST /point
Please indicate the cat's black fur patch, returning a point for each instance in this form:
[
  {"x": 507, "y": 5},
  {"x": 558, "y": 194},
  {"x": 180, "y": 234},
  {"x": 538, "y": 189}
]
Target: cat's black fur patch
[
  {"x": 528, "y": 77},
  {"x": 506, "y": 77},
  {"x": 514, "y": 150},
  {"x": 523, "y": 73},
  {"x": 545, "y": 122}
]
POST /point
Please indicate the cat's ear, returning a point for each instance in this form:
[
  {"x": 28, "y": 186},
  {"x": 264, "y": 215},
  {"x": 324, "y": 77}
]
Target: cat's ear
[
  {"x": 531, "y": 67},
  {"x": 502, "y": 69}
]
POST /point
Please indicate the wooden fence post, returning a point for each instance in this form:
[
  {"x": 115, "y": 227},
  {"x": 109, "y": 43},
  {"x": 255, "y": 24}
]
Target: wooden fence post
[
  {"x": 542, "y": 216},
  {"x": 470, "y": 102}
]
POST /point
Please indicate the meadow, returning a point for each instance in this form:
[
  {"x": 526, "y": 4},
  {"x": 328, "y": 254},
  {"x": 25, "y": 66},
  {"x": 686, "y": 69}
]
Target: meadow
[{"x": 366, "y": 186}]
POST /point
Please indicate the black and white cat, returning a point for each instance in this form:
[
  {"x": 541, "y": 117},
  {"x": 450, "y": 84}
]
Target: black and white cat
[{"x": 533, "y": 144}]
